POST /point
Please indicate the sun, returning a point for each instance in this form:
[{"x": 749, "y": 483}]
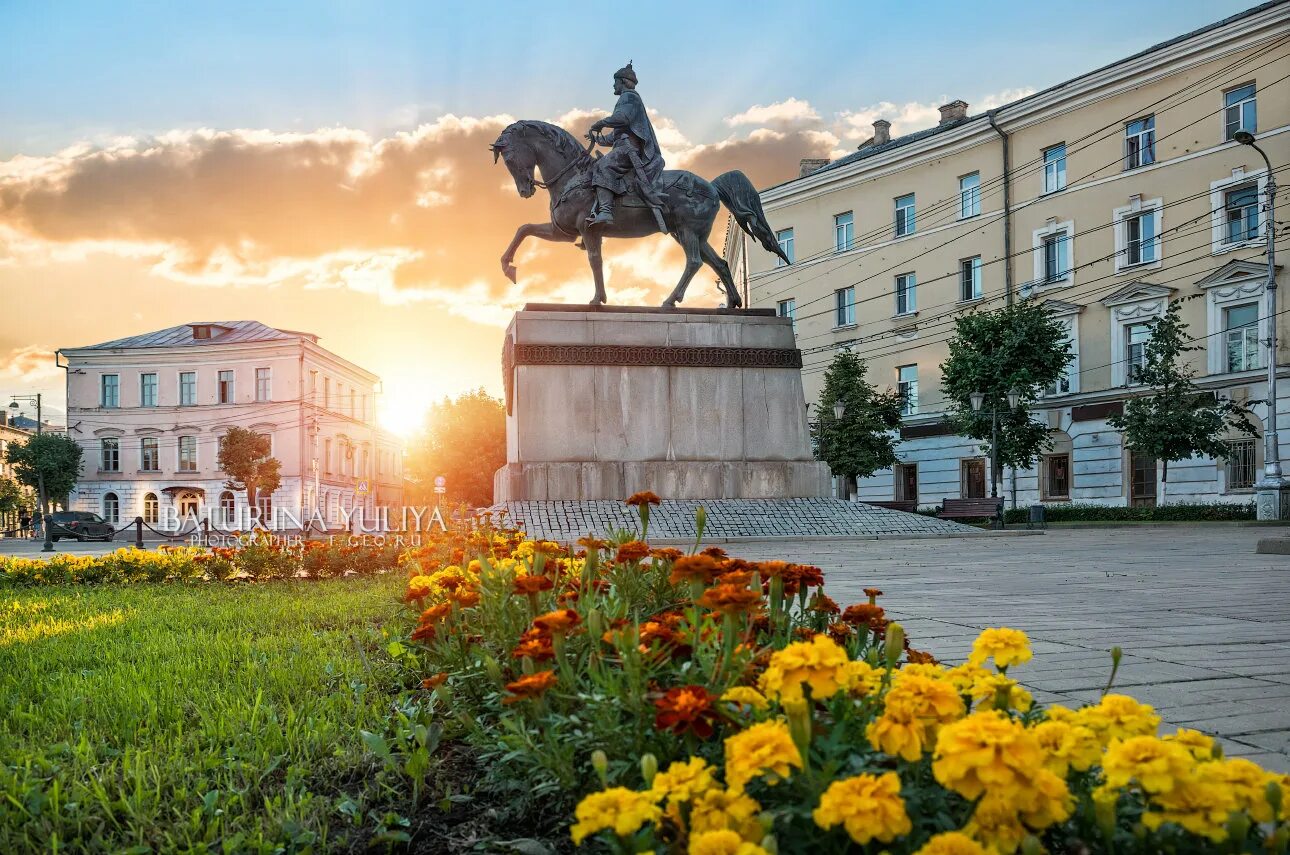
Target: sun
[{"x": 403, "y": 415}]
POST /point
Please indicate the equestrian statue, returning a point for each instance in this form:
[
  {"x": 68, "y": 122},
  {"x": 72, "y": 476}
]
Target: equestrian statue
[{"x": 626, "y": 193}]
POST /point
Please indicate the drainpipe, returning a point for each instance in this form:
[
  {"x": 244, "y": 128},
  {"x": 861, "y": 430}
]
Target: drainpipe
[{"x": 1007, "y": 238}]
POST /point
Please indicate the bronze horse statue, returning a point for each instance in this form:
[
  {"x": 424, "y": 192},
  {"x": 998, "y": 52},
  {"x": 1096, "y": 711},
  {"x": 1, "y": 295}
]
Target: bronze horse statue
[{"x": 690, "y": 206}]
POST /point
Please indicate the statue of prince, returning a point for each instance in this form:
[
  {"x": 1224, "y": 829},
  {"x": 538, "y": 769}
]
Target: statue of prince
[{"x": 626, "y": 193}]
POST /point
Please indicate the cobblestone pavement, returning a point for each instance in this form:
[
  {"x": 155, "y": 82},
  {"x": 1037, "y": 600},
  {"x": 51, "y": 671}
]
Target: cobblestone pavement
[
  {"x": 727, "y": 518},
  {"x": 1204, "y": 622}
]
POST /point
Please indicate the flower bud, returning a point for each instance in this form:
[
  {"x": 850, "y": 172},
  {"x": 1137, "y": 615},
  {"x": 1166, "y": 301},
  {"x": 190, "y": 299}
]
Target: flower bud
[
  {"x": 649, "y": 768},
  {"x": 895, "y": 643},
  {"x": 1272, "y": 792},
  {"x": 770, "y": 844},
  {"x": 600, "y": 762},
  {"x": 1104, "y": 813},
  {"x": 1238, "y": 826},
  {"x": 595, "y": 623},
  {"x": 1030, "y": 845}
]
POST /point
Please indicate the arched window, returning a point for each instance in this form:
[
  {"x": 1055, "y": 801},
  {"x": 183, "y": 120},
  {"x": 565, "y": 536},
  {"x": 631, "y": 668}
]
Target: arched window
[
  {"x": 227, "y": 509},
  {"x": 111, "y": 508},
  {"x": 264, "y": 508},
  {"x": 151, "y": 508}
]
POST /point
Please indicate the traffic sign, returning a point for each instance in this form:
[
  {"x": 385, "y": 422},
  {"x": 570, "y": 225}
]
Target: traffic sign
[
  {"x": 440, "y": 481},
  {"x": 362, "y": 489}
]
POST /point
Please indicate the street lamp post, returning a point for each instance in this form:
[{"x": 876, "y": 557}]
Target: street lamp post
[
  {"x": 1272, "y": 493},
  {"x": 840, "y": 410},
  {"x": 977, "y": 400},
  {"x": 40, "y": 476}
]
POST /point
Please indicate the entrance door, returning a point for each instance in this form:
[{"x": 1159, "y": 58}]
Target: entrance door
[
  {"x": 972, "y": 478},
  {"x": 907, "y": 482},
  {"x": 1142, "y": 485},
  {"x": 187, "y": 505}
]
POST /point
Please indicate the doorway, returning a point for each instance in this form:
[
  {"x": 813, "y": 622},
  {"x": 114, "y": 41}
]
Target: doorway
[
  {"x": 188, "y": 505},
  {"x": 906, "y": 482},
  {"x": 972, "y": 478},
  {"x": 1142, "y": 480}
]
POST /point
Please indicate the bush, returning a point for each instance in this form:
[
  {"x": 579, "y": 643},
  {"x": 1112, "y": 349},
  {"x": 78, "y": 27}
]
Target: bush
[{"x": 1215, "y": 512}]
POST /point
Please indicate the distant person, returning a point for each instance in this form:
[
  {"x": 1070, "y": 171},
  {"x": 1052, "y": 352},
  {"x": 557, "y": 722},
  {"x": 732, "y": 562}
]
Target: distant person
[{"x": 24, "y": 521}]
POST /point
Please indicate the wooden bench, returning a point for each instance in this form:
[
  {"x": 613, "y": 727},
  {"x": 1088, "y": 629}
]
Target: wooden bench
[
  {"x": 908, "y": 506},
  {"x": 964, "y": 509}
]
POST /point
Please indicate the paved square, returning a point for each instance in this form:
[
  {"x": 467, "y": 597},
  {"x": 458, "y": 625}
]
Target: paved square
[{"x": 1203, "y": 621}]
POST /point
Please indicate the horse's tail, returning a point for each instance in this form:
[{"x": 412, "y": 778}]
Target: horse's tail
[{"x": 739, "y": 195}]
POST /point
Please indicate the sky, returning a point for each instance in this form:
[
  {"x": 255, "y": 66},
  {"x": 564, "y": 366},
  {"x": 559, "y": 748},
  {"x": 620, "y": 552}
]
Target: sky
[{"x": 324, "y": 166}]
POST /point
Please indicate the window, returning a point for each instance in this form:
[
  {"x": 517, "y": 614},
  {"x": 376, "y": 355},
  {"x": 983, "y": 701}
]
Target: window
[
  {"x": 227, "y": 509},
  {"x": 784, "y": 237},
  {"x": 907, "y": 386},
  {"x": 1057, "y": 476},
  {"x": 149, "y": 455},
  {"x": 906, "y": 477},
  {"x": 1140, "y": 142},
  {"x": 1136, "y": 337},
  {"x": 110, "y": 454},
  {"x": 264, "y": 509},
  {"x": 327, "y": 392},
  {"x": 970, "y": 278},
  {"x": 969, "y": 195},
  {"x": 147, "y": 390},
  {"x": 906, "y": 303},
  {"x": 844, "y": 233},
  {"x": 263, "y": 384},
  {"x": 1055, "y": 168},
  {"x": 1241, "y": 337},
  {"x": 110, "y": 391},
  {"x": 1241, "y": 213},
  {"x": 187, "y": 388},
  {"x": 151, "y": 509},
  {"x": 905, "y": 215},
  {"x": 111, "y": 508},
  {"x": 1056, "y": 256},
  {"x": 788, "y": 309},
  {"x": 1141, "y": 239},
  {"x": 1240, "y": 464},
  {"x": 201, "y": 331},
  {"x": 1239, "y": 113},
  {"x": 225, "y": 387},
  {"x": 845, "y": 300},
  {"x": 327, "y": 456},
  {"x": 187, "y": 454}
]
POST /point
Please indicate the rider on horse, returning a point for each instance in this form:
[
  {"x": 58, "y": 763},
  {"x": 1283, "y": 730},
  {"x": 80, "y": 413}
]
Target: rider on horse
[{"x": 634, "y": 154}]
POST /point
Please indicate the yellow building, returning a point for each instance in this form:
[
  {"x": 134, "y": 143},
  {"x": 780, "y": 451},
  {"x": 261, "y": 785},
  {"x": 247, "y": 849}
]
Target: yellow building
[{"x": 1105, "y": 197}]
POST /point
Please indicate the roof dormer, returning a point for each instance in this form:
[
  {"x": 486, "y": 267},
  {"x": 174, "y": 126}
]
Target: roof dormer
[{"x": 203, "y": 332}]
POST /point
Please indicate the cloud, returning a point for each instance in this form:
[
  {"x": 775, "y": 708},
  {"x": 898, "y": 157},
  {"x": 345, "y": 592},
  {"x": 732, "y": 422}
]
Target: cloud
[
  {"x": 28, "y": 364},
  {"x": 788, "y": 112},
  {"x": 912, "y": 116}
]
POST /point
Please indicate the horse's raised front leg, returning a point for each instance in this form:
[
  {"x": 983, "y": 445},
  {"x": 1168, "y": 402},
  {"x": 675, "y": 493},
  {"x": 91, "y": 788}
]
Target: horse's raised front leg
[
  {"x": 545, "y": 231},
  {"x": 592, "y": 240},
  {"x": 693, "y": 261}
]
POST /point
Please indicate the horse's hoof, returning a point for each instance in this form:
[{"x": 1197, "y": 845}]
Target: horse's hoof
[
  {"x": 597, "y": 301},
  {"x": 669, "y": 304},
  {"x": 509, "y": 270}
]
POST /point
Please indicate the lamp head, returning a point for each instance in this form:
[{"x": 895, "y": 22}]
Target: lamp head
[
  {"x": 978, "y": 400},
  {"x": 1244, "y": 137},
  {"x": 838, "y": 409},
  {"x": 1014, "y": 398},
  {"x": 13, "y": 405}
]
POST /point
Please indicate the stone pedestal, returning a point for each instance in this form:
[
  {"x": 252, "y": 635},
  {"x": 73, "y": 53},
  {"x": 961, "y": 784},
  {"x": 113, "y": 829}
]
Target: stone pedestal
[
  {"x": 691, "y": 404},
  {"x": 1272, "y": 500}
]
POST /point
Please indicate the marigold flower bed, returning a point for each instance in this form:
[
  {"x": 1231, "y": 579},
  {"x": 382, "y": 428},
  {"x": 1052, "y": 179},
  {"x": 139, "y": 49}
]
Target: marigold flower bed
[{"x": 656, "y": 701}]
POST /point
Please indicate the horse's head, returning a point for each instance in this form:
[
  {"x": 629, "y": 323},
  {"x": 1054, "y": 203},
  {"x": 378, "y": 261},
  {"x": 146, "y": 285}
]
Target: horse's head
[{"x": 515, "y": 148}]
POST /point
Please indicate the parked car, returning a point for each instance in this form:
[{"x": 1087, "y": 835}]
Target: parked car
[{"x": 81, "y": 525}]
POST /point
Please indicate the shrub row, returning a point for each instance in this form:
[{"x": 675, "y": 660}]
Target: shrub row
[{"x": 1075, "y": 512}]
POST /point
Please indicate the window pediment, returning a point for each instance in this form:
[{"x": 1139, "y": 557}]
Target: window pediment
[
  {"x": 148, "y": 431},
  {"x": 109, "y": 432},
  {"x": 1137, "y": 292},
  {"x": 1061, "y": 308},
  {"x": 1235, "y": 271}
]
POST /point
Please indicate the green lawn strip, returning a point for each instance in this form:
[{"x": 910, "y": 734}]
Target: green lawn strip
[{"x": 188, "y": 717}]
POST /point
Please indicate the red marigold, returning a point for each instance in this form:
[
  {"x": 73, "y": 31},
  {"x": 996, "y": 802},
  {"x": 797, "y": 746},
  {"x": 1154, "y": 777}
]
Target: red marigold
[
  {"x": 821, "y": 602},
  {"x": 645, "y": 497},
  {"x": 729, "y": 599},
  {"x": 593, "y": 543},
  {"x": 865, "y": 614},
  {"x": 530, "y": 686},
  {"x": 532, "y": 584},
  {"x": 686, "y": 709},
  {"x": 666, "y": 553},
  {"x": 840, "y": 632},
  {"x": 437, "y": 613},
  {"x": 698, "y": 568},
  {"x": 436, "y": 680},
  {"x": 918, "y": 657},
  {"x": 770, "y": 569},
  {"x": 535, "y": 645},
  {"x": 561, "y": 620},
  {"x": 632, "y": 550},
  {"x": 465, "y": 598},
  {"x": 714, "y": 552},
  {"x": 424, "y": 632},
  {"x": 809, "y": 576}
]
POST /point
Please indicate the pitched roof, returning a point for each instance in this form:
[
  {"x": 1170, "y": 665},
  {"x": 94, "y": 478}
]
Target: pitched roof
[
  {"x": 869, "y": 150},
  {"x": 222, "y": 332}
]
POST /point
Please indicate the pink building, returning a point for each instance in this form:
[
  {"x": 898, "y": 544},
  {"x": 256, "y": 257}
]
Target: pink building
[{"x": 149, "y": 411}]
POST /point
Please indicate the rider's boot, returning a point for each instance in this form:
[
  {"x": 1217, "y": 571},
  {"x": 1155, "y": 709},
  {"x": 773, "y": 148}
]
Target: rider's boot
[{"x": 604, "y": 213}]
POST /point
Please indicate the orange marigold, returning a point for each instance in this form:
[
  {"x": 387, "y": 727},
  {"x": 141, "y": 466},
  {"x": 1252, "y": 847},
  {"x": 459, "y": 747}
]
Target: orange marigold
[
  {"x": 632, "y": 550},
  {"x": 865, "y": 614},
  {"x": 434, "y": 614},
  {"x": 435, "y": 680},
  {"x": 666, "y": 553},
  {"x": 535, "y": 645},
  {"x": 697, "y": 568},
  {"x": 644, "y": 497},
  {"x": 532, "y": 584},
  {"x": 530, "y": 686},
  {"x": 560, "y": 621},
  {"x": 714, "y": 552},
  {"x": 593, "y": 543},
  {"x": 823, "y": 604},
  {"x": 729, "y": 599},
  {"x": 686, "y": 709}
]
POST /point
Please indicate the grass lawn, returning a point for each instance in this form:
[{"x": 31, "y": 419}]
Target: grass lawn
[{"x": 194, "y": 718}]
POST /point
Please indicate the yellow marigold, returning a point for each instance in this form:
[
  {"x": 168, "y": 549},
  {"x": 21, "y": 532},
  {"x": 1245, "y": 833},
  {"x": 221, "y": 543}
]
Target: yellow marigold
[
  {"x": 1067, "y": 746},
  {"x": 1200, "y": 803},
  {"x": 897, "y": 734},
  {"x": 862, "y": 678},
  {"x": 683, "y": 780},
  {"x": 1005, "y": 646},
  {"x": 913, "y": 709},
  {"x": 717, "y": 809},
  {"x": 617, "y": 809},
  {"x": 763, "y": 748},
  {"x": 923, "y": 669},
  {"x": 1200, "y": 745},
  {"x": 723, "y": 842},
  {"x": 745, "y": 696},
  {"x": 952, "y": 843},
  {"x": 1044, "y": 801},
  {"x": 868, "y": 806},
  {"x": 819, "y": 663},
  {"x": 989, "y": 687},
  {"x": 419, "y": 586},
  {"x": 965, "y": 677},
  {"x": 1156, "y": 765},
  {"x": 1118, "y": 717},
  {"x": 1249, "y": 784},
  {"x": 986, "y": 751},
  {"x": 996, "y": 826}
]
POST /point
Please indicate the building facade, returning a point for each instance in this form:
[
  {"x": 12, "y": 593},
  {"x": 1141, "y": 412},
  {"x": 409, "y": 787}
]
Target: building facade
[
  {"x": 1105, "y": 197},
  {"x": 150, "y": 411},
  {"x": 11, "y": 433}
]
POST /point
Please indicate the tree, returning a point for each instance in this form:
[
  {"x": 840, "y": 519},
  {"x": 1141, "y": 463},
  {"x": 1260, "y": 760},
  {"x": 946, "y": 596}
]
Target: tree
[
  {"x": 1176, "y": 420},
  {"x": 12, "y": 499},
  {"x": 464, "y": 440},
  {"x": 246, "y": 458},
  {"x": 55, "y": 456},
  {"x": 864, "y": 439},
  {"x": 1021, "y": 346}
]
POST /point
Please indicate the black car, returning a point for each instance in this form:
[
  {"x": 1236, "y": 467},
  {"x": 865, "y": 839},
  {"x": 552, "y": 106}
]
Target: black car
[{"x": 81, "y": 525}]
